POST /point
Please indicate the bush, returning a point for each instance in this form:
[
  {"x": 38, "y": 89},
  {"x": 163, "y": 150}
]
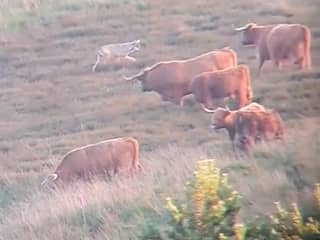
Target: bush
[{"x": 210, "y": 211}]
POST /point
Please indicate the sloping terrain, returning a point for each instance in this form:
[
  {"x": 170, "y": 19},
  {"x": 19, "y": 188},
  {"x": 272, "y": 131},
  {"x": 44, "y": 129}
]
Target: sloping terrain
[{"x": 51, "y": 102}]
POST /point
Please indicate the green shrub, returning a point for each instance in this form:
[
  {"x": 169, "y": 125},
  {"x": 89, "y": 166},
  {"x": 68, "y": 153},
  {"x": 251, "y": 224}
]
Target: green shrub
[
  {"x": 88, "y": 218},
  {"x": 210, "y": 211}
]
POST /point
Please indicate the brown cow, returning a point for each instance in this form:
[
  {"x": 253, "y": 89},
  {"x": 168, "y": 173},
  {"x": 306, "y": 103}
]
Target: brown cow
[
  {"x": 171, "y": 79},
  {"x": 224, "y": 118},
  {"x": 281, "y": 43},
  {"x": 106, "y": 157},
  {"x": 255, "y": 126},
  {"x": 234, "y": 81}
]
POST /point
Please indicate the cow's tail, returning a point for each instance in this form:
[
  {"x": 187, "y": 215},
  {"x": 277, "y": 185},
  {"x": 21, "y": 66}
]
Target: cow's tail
[
  {"x": 50, "y": 178},
  {"x": 307, "y": 45},
  {"x": 136, "y": 166}
]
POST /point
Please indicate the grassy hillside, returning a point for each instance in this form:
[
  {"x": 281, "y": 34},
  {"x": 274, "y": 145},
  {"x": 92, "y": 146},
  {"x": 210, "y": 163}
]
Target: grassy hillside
[{"x": 51, "y": 102}]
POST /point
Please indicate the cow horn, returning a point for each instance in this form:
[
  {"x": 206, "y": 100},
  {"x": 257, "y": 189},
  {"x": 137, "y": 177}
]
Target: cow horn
[
  {"x": 133, "y": 76},
  {"x": 207, "y": 109},
  {"x": 51, "y": 177},
  {"x": 249, "y": 25},
  {"x": 240, "y": 29}
]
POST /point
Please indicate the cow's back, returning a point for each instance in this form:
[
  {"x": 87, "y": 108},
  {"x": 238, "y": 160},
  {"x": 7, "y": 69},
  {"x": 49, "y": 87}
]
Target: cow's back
[
  {"x": 211, "y": 61},
  {"x": 226, "y": 80},
  {"x": 73, "y": 165},
  {"x": 125, "y": 153},
  {"x": 225, "y": 58},
  {"x": 265, "y": 125},
  {"x": 287, "y": 40},
  {"x": 103, "y": 157}
]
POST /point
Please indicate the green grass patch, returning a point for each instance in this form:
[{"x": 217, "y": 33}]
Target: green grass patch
[
  {"x": 12, "y": 193},
  {"x": 88, "y": 218}
]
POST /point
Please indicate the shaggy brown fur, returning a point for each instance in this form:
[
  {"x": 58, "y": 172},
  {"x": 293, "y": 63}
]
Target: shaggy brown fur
[
  {"x": 234, "y": 81},
  {"x": 171, "y": 79},
  {"x": 105, "y": 157}
]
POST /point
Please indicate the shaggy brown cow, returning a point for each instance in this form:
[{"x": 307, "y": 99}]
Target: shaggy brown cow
[
  {"x": 172, "y": 79},
  {"x": 281, "y": 43},
  {"x": 224, "y": 118},
  {"x": 254, "y": 126},
  {"x": 106, "y": 157},
  {"x": 234, "y": 81}
]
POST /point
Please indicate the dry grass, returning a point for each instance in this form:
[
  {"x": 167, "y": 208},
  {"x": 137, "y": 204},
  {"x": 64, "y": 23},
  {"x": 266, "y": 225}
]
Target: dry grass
[
  {"x": 118, "y": 210},
  {"x": 50, "y": 102}
]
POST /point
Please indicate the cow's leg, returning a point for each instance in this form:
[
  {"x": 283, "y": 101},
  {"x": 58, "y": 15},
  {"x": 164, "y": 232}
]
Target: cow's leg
[
  {"x": 96, "y": 63},
  {"x": 181, "y": 102},
  {"x": 232, "y": 134},
  {"x": 245, "y": 143},
  {"x": 301, "y": 62},
  {"x": 234, "y": 150},
  {"x": 261, "y": 62},
  {"x": 108, "y": 175},
  {"x": 115, "y": 171},
  {"x": 178, "y": 101},
  {"x": 278, "y": 64}
]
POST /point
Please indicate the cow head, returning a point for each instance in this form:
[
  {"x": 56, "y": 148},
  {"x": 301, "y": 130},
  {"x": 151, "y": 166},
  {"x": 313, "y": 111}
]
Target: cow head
[
  {"x": 142, "y": 77},
  {"x": 218, "y": 118},
  {"x": 249, "y": 35}
]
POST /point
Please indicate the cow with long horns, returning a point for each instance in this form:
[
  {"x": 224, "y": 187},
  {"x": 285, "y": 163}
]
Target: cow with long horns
[
  {"x": 171, "y": 79},
  {"x": 225, "y": 118},
  {"x": 280, "y": 43}
]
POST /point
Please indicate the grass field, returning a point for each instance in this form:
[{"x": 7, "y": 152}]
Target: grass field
[{"x": 51, "y": 102}]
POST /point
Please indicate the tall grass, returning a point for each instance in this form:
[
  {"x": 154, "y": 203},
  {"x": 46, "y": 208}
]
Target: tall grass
[
  {"x": 119, "y": 209},
  {"x": 50, "y": 102}
]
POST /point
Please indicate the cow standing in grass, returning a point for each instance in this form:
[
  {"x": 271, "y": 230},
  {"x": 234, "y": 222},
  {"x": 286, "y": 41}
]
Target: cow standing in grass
[
  {"x": 233, "y": 81},
  {"x": 248, "y": 125},
  {"x": 280, "y": 43},
  {"x": 225, "y": 118},
  {"x": 105, "y": 157},
  {"x": 171, "y": 79}
]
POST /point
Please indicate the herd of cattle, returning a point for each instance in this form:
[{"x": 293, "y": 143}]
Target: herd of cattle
[{"x": 210, "y": 76}]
